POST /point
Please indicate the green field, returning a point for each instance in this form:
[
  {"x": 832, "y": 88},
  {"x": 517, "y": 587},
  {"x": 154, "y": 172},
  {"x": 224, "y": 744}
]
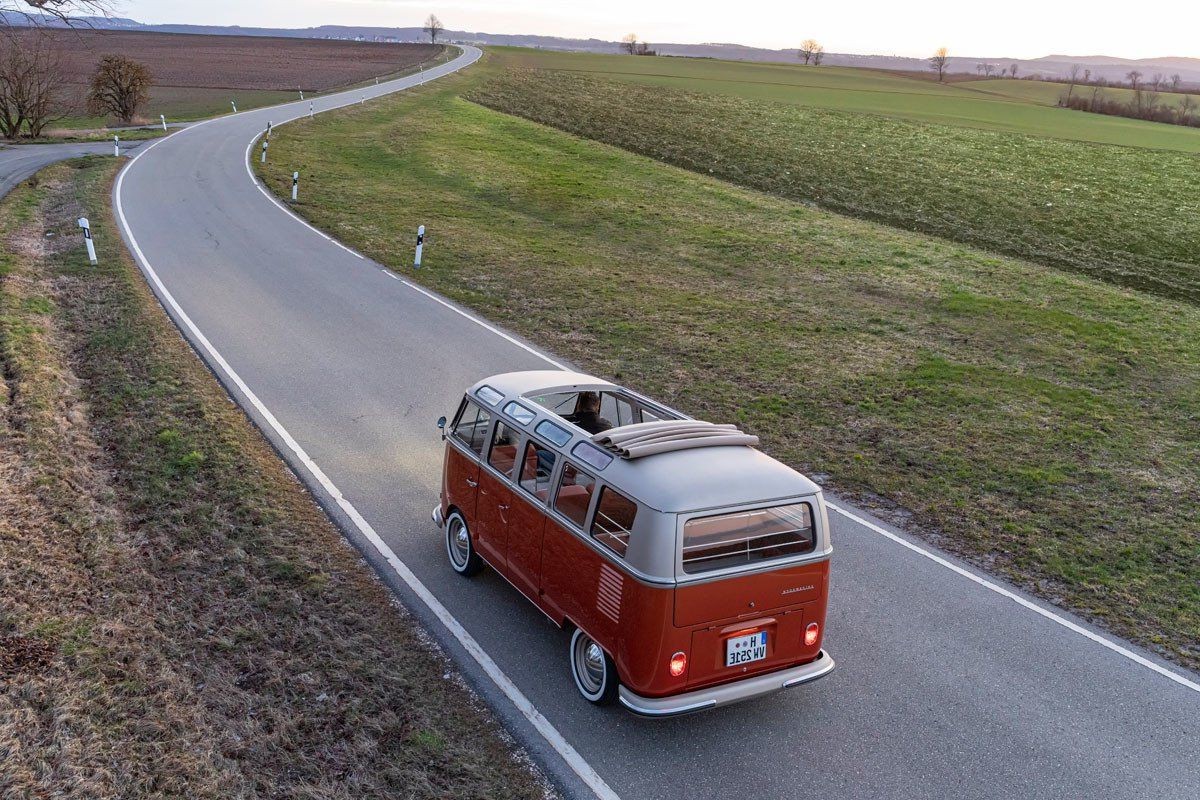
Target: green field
[
  {"x": 1039, "y": 422},
  {"x": 866, "y": 91},
  {"x": 1127, "y": 215}
]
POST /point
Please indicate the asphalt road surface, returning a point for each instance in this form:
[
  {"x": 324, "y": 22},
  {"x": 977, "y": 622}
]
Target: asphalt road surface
[
  {"x": 946, "y": 687},
  {"x": 18, "y": 162}
]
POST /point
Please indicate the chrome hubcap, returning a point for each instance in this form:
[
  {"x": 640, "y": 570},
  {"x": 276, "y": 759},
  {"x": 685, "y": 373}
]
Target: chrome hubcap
[
  {"x": 460, "y": 543},
  {"x": 591, "y": 665}
]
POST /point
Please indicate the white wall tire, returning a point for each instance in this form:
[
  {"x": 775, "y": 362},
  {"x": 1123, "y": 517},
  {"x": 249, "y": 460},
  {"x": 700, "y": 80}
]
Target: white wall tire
[
  {"x": 594, "y": 672},
  {"x": 460, "y": 548}
]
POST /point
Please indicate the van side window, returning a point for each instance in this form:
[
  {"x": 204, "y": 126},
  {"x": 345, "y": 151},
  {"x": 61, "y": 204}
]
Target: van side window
[
  {"x": 472, "y": 427},
  {"x": 504, "y": 449},
  {"x": 613, "y": 521},
  {"x": 574, "y": 494},
  {"x": 536, "y": 469}
]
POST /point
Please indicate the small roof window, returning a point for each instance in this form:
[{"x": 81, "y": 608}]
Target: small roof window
[
  {"x": 519, "y": 412},
  {"x": 558, "y": 435},
  {"x": 591, "y": 455},
  {"x": 489, "y": 395}
]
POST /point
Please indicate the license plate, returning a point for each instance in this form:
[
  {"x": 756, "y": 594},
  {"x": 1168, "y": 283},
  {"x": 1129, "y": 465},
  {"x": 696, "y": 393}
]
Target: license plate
[{"x": 744, "y": 649}]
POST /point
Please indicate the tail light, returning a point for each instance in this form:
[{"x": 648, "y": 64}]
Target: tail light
[
  {"x": 811, "y": 634},
  {"x": 678, "y": 665}
]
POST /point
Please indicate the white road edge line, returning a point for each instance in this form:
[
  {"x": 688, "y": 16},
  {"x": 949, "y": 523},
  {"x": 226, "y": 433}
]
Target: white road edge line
[
  {"x": 1016, "y": 598},
  {"x": 542, "y": 725}
]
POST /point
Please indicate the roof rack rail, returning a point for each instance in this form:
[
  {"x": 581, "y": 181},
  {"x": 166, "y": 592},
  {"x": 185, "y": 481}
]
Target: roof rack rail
[{"x": 665, "y": 436}]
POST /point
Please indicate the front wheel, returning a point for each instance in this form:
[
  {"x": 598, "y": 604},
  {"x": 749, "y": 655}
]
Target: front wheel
[
  {"x": 594, "y": 672},
  {"x": 460, "y": 548}
]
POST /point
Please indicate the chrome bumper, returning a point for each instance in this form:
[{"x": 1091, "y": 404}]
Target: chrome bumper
[
  {"x": 728, "y": 693},
  {"x": 437, "y": 515}
]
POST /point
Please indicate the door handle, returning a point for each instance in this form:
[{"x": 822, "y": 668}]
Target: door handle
[
  {"x": 502, "y": 507},
  {"x": 472, "y": 483}
]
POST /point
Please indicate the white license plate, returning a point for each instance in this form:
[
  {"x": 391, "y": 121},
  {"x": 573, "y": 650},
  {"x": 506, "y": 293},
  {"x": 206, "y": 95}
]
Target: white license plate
[{"x": 744, "y": 649}]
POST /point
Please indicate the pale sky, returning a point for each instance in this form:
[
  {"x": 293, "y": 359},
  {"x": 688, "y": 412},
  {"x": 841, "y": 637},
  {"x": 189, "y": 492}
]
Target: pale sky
[{"x": 1000, "y": 28}]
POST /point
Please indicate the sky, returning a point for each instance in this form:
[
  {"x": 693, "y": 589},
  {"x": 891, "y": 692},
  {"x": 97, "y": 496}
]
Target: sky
[{"x": 1001, "y": 28}]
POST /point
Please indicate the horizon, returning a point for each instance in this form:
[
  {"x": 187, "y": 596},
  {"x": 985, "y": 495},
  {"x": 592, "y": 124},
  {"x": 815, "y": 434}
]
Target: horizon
[{"x": 969, "y": 33}]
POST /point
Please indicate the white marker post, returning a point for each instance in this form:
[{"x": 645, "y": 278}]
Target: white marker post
[
  {"x": 87, "y": 238},
  {"x": 263, "y": 160},
  {"x": 362, "y": 98},
  {"x": 295, "y": 185},
  {"x": 163, "y": 117},
  {"x": 301, "y": 94},
  {"x": 420, "y": 246},
  {"x": 117, "y": 146},
  {"x": 234, "y": 104},
  {"x": 268, "y": 130},
  {"x": 310, "y": 109}
]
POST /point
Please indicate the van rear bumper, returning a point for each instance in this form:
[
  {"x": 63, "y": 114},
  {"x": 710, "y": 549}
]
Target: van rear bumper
[
  {"x": 728, "y": 693},
  {"x": 437, "y": 515}
]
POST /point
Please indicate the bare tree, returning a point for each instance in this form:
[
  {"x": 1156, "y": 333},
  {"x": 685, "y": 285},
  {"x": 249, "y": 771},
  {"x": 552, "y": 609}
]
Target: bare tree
[
  {"x": 1157, "y": 81},
  {"x": 1072, "y": 79},
  {"x": 1012, "y": 70},
  {"x": 938, "y": 62},
  {"x": 1186, "y": 106},
  {"x": 1096, "y": 87},
  {"x": 808, "y": 48},
  {"x": 1176, "y": 79},
  {"x": 629, "y": 43},
  {"x": 1135, "y": 79},
  {"x": 818, "y": 56},
  {"x": 979, "y": 68},
  {"x": 119, "y": 87},
  {"x": 31, "y": 80},
  {"x": 433, "y": 28},
  {"x": 1087, "y": 76}
]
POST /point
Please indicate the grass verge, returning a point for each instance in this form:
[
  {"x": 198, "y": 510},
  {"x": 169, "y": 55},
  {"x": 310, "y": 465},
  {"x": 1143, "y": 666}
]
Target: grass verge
[
  {"x": 177, "y": 617},
  {"x": 1129, "y": 216},
  {"x": 1038, "y": 422}
]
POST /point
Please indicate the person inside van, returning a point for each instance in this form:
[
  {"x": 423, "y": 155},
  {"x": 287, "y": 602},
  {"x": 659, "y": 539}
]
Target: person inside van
[{"x": 587, "y": 413}]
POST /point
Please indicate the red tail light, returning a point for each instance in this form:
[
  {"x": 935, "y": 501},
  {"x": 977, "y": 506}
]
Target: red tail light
[
  {"x": 811, "y": 634},
  {"x": 678, "y": 664}
]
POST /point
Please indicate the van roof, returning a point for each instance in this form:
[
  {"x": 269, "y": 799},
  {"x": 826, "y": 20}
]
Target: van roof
[{"x": 677, "y": 481}]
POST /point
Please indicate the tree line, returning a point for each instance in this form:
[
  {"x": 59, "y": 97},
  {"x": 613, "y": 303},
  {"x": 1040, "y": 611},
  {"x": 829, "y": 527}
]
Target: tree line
[{"x": 1146, "y": 102}]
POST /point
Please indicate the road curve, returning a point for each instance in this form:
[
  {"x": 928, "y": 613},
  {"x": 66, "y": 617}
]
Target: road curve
[
  {"x": 948, "y": 685},
  {"x": 18, "y": 162}
]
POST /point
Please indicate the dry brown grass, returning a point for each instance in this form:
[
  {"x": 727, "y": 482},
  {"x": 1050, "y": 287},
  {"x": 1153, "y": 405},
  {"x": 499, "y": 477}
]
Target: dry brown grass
[{"x": 177, "y": 618}]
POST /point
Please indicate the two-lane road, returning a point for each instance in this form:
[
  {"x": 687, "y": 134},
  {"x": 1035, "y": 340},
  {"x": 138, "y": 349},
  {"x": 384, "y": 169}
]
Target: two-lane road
[
  {"x": 946, "y": 687},
  {"x": 18, "y": 162}
]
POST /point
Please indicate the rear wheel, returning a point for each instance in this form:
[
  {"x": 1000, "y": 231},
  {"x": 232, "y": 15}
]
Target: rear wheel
[
  {"x": 594, "y": 672},
  {"x": 460, "y": 548}
]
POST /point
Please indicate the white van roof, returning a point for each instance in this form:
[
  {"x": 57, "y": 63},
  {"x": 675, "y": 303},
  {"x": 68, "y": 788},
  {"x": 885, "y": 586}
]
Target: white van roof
[{"x": 678, "y": 481}]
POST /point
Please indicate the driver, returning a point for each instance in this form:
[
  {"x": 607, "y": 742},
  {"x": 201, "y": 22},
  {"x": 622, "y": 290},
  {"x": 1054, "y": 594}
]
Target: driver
[{"x": 587, "y": 413}]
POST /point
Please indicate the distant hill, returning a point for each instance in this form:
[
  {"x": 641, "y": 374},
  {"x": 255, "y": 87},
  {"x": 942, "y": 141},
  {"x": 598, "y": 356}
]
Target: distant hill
[{"x": 1052, "y": 66}]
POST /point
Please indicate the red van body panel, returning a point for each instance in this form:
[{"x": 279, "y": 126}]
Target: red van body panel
[
  {"x": 523, "y": 553},
  {"x": 459, "y": 484}
]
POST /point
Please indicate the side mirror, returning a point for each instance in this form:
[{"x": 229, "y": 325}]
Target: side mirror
[{"x": 441, "y": 423}]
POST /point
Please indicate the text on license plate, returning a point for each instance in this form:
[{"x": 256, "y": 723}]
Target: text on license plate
[{"x": 744, "y": 649}]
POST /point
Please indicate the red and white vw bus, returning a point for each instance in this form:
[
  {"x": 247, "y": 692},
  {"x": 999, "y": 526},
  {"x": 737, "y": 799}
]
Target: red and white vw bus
[{"x": 692, "y": 569}]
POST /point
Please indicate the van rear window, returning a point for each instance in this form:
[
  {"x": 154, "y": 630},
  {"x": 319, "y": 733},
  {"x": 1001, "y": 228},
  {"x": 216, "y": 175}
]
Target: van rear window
[{"x": 747, "y": 537}]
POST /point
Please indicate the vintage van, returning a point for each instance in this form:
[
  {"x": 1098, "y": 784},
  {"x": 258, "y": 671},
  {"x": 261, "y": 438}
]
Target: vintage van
[{"x": 691, "y": 568}]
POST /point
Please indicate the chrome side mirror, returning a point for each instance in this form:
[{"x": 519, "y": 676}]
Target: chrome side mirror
[{"x": 441, "y": 423}]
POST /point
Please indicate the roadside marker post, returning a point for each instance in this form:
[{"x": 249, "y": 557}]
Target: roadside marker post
[
  {"x": 295, "y": 185},
  {"x": 234, "y": 104},
  {"x": 117, "y": 146},
  {"x": 301, "y": 94},
  {"x": 420, "y": 246},
  {"x": 269, "y": 129},
  {"x": 87, "y": 238},
  {"x": 362, "y": 98},
  {"x": 310, "y": 108},
  {"x": 163, "y": 117},
  {"x": 263, "y": 160}
]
